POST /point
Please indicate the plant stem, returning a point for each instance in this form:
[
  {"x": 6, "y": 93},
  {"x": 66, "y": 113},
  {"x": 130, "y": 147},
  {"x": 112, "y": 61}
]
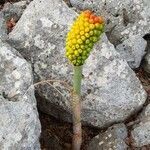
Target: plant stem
[{"x": 76, "y": 108}]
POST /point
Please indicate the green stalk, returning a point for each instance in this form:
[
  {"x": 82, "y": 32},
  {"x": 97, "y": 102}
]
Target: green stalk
[{"x": 76, "y": 108}]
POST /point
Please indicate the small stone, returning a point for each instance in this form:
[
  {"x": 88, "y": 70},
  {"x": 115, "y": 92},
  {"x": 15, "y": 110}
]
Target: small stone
[
  {"x": 109, "y": 135},
  {"x": 141, "y": 131},
  {"x": 115, "y": 142},
  {"x": 133, "y": 50},
  {"x": 100, "y": 143}
]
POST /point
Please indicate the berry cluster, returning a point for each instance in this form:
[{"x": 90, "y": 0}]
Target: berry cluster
[{"x": 85, "y": 31}]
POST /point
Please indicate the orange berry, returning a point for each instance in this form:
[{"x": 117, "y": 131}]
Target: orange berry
[
  {"x": 91, "y": 21},
  {"x": 87, "y": 13},
  {"x": 92, "y": 16},
  {"x": 101, "y": 20},
  {"x": 97, "y": 20}
]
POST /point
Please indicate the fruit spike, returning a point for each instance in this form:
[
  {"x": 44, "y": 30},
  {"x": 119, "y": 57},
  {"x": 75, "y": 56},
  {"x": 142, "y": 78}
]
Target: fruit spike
[{"x": 85, "y": 31}]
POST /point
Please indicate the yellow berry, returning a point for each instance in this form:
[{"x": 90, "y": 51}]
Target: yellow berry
[
  {"x": 92, "y": 26},
  {"x": 80, "y": 50},
  {"x": 87, "y": 29},
  {"x": 73, "y": 47},
  {"x": 91, "y": 33},
  {"x": 82, "y": 47},
  {"x": 77, "y": 46},
  {"x": 87, "y": 41},
  {"x": 81, "y": 32},
  {"x": 79, "y": 41},
  {"x": 70, "y": 57},
  {"x": 86, "y": 24},
  {"x": 83, "y": 37},
  {"x": 74, "y": 41},
  {"x": 87, "y": 35},
  {"x": 76, "y": 53}
]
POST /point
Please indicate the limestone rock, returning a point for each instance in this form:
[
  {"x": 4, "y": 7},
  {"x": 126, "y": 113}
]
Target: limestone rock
[
  {"x": 111, "y": 90},
  {"x": 19, "y": 122},
  {"x": 141, "y": 131},
  {"x": 146, "y": 62},
  {"x": 113, "y": 138},
  {"x": 10, "y": 11},
  {"x": 133, "y": 50}
]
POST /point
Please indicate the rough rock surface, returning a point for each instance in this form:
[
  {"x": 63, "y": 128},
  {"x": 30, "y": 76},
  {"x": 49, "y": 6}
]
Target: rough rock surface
[
  {"x": 112, "y": 139},
  {"x": 111, "y": 91},
  {"x": 9, "y": 11},
  {"x": 124, "y": 20},
  {"x": 141, "y": 131},
  {"x": 133, "y": 50},
  {"x": 146, "y": 62},
  {"x": 19, "y": 122}
]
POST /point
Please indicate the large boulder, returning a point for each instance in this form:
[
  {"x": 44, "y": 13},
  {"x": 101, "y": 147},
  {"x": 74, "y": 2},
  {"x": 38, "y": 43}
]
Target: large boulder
[
  {"x": 111, "y": 91},
  {"x": 19, "y": 122}
]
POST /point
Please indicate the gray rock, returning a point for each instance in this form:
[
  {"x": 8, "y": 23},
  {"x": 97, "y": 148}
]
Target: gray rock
[
  {"x": 3, "y": 29},
  {"x": 15, "y": 9},
  {"x": 111, "y": 90},
  {"x": 19, "y": 122},
  {"x": 146, "y": 62},
  {"x": 141, "y": 131},
  {"x": 112, "y": 139},
  {"x": 9, "y": 11},
  {"x": 133, "y": 50}
]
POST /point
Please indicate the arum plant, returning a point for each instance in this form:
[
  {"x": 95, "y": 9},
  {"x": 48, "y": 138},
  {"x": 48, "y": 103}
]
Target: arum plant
[{"x": 85, "y": 31}]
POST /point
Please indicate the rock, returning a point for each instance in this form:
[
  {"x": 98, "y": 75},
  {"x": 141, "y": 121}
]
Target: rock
[
  {"x": 112, "y": 139},
  {"x": 133, "y": 50},
  {"x": 19, "y": 122},
  {"x": 111, "y": 90},
  {"x": 141, "y": 131},
  {"x": 54, "y": 22},
  {"x": 3, "y": 29},
  {"x": 146, "y": 62},
  {"x": 15, "y": 9},
  {"x": 10, "y": 10}
]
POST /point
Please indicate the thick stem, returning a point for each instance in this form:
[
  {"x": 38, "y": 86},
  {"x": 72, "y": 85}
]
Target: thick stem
[{"x": 76, "y": 108}]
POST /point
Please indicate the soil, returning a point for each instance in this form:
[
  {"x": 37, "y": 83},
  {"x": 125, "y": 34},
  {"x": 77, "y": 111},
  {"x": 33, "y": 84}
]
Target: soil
[{"x": 62, "y": 132}]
